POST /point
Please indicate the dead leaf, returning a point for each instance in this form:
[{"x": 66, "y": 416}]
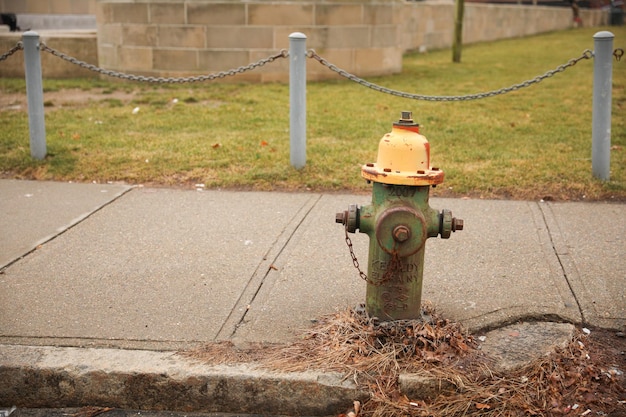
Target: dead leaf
[
  {"x": 216, "y": 145},
  {"x": 75, "y": 136},
  {"x": 514, "y": 333},
  {"x": 482, "y": 406},
  {"x": 264, "y": 143}
]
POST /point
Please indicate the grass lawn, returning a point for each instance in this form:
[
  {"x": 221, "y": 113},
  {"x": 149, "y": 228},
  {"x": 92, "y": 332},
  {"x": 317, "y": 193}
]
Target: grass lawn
[{"x": 529, "y": 144}]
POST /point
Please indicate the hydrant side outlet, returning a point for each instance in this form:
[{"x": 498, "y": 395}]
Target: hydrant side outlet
[{"x": 399, "y": 221}]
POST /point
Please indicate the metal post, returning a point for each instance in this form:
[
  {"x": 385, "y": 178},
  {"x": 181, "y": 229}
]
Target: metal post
[
  {"x": 34, "y": 93},
  {"x": 601, "y": 115},
  {"x": 297, "y": 99}
]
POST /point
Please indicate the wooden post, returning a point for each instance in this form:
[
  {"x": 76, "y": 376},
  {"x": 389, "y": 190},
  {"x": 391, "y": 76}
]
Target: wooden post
[{"x": 458, "y": 31}]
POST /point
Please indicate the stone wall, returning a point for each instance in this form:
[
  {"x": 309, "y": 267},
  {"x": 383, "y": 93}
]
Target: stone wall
[
  {"x": 364, "y": 37},
  {"x": 430, "y": 25},
  {"x": 81, "y": 45},
  {"x": 48, "y": 6},
  {"x": 191, "y": 37},
  {"x": 188, "y": 37}
]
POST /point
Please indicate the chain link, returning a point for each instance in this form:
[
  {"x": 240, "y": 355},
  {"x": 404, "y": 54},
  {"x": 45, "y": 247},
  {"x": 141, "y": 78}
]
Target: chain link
[
  {"x": 18, "y": 46},
  {"x": 394, "y": 265},
  {"x": 164, "y": 80},
  {"x": 587, "y": 54},
  {"x": 355, "y": 261}
]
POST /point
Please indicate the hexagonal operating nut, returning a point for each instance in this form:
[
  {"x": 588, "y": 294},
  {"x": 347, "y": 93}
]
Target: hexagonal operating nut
[
  {"x": 401, "y": 233},
  {"x": 349, "y": 218}
]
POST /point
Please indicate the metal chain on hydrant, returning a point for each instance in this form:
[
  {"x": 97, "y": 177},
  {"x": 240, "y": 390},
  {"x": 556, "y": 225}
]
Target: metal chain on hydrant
[
  {"x": 18, "y": 46},
  {"x": 394, "y": 264},
  {"x": 164, "y": 80},
  {"x": 587, "y": 54}
]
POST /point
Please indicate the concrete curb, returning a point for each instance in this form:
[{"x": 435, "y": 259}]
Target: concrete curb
[
  {"x": 54, "y": 377},
  {"x": 61, "y": 377}
]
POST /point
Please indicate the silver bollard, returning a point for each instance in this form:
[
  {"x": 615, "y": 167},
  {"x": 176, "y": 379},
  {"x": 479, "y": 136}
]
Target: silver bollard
[
  {"x": 34, "y": 93},
  {"x": 601, "y": 114},
  {"x": 297, "y": 99}
]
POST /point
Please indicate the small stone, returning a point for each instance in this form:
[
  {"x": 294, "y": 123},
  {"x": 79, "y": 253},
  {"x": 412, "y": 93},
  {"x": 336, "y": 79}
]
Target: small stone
[{"x": 517, "y": 345}]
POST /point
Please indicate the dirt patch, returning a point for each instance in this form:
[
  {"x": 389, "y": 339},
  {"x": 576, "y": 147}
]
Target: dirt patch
[{"x": 65, "y": 98}]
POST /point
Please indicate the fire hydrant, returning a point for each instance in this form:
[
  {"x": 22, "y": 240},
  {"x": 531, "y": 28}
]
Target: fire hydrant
[{"x": 398, "y": 222}]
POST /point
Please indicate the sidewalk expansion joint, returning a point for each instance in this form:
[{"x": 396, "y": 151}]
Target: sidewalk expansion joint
[
  {"x": 278, "y": 247},
  {"x": 554, "y": 233},
  {"x": 75, "y": 223}
]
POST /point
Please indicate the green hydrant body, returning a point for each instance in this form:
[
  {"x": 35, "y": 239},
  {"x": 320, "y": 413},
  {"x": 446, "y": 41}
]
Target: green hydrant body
[{"x": 399, "y": 221}]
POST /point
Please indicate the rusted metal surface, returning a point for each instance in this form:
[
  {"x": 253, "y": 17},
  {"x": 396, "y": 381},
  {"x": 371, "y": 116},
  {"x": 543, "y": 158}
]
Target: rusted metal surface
[{"x": 398, "y": 222}]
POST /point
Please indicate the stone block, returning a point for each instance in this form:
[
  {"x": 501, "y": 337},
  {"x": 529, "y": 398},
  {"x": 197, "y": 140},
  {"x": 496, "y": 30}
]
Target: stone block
[
  {"x": 279, "y": 65},
  {"x": 379, "y": 61},
  {"x": 517, "y": 345},
  {"x": 342, "y": 58},
  {"x": 110, "y": 34},
  {"x": 216, "y": 14},
  {"x": 181, "y": 36},
  {"x": 385, "y": 36},
  {"x": 13, "y": 66},
  {"x": 135, "y": 58},
  {"x": 169, "y": 13},
  {"x": 174, "y": 60},
  {"x": 349, "y": 36},
  {"x": 107, "y": 56},
  {"x": 244, "y": 37},
  {"x": 39, "y": 7},
  {"x": 338, "y": 14},
  {"x": 83, "y": 48},
  {"x": 211, "y": 61},
  {"x": 381, "y": 14},
  {"x": 280, "y": 14},
  {"x": 138, "y": 35},
  {"x": 14, "y": 6},
  {"x": 104, "y": 14},
  {"x": 129, "y": 13},
  {"x": 59, "y": 7},
  {"x": 281, "y": 35}
]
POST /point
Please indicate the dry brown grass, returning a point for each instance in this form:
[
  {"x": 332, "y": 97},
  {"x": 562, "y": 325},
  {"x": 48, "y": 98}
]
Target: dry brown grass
[{"x": 587, "y": 374}]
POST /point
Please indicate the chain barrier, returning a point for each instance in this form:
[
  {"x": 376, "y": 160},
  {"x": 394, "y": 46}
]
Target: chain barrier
[
  {"x": 618, "y": 54},
  {"x": 18, "y": 46},
  {"x": 164, "y": 80},
  {"x": 587, "y": 54},
  {"x": 394, "y": 265}
]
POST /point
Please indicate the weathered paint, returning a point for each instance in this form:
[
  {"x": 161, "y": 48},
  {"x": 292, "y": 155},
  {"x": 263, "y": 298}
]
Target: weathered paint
[
  {"x": 403, "y": 158},
  {"x": 399, "y": 221}
]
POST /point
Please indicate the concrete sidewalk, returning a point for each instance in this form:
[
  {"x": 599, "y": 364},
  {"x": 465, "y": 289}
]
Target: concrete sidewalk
[{"x": 153, "y": 269}]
